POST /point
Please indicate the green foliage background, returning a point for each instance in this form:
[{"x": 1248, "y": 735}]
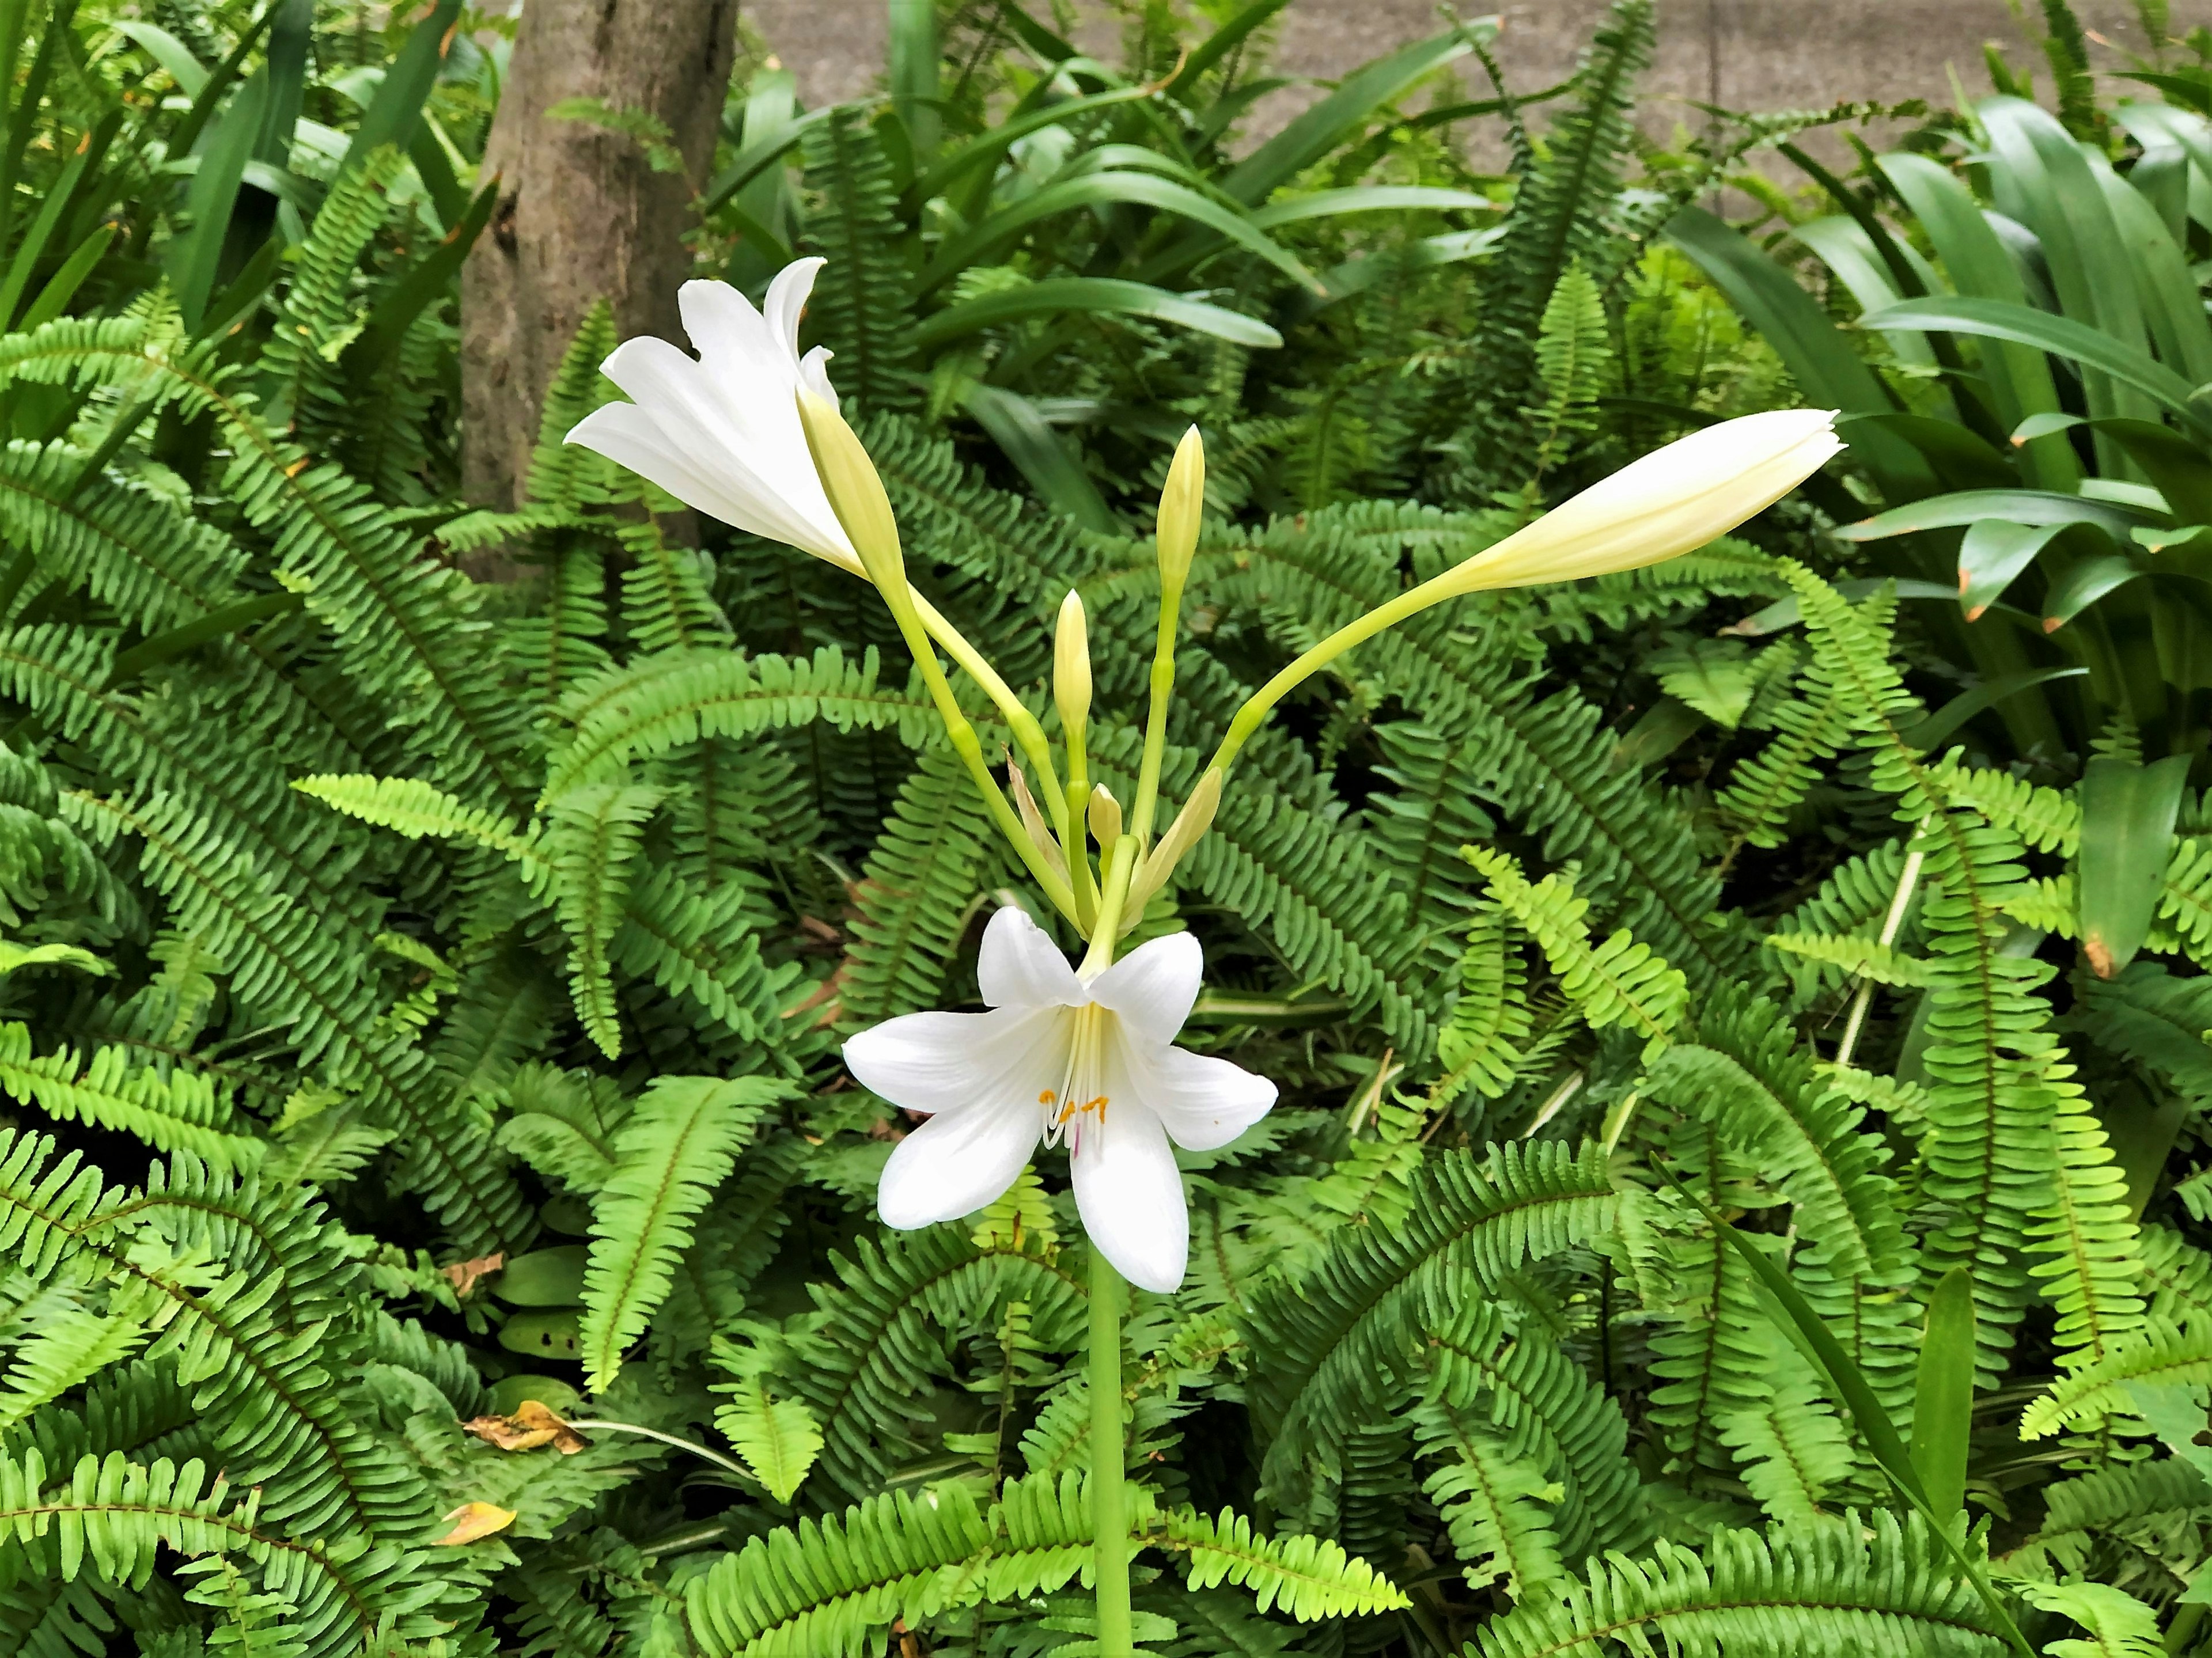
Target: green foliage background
[{"x": 420, "y": 998}]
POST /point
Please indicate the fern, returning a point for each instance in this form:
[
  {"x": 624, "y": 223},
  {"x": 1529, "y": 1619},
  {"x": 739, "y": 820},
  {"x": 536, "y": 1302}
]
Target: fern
[
  {"x": 676, "y": 1147},
  {"x": 1817, "y": 1590}
]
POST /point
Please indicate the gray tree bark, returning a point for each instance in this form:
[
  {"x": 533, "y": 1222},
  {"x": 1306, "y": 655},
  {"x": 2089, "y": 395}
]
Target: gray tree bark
[{"x": 582, "y": 214}]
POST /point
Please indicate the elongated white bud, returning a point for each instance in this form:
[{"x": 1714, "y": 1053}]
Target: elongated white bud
[
  {"x": 1672, "y": 500},
  {"x": 1071, "y": 666},
  {"x": 1182, "y": 508},
  {"x": 1105, "y": 814}
]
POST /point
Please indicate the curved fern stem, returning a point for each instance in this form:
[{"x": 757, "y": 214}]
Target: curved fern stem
[
  {"x": 1109, "y": 1501},
  {"x": 1907, "y": 878},
  {"x": 715, "y": 1457}
]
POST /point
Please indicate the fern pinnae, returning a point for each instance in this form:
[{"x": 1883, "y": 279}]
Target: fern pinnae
[{"x": 677, "y": 1146}]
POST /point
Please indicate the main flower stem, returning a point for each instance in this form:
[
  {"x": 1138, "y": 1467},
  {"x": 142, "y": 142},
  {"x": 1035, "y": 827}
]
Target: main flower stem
[
  {"x": 1155, "y": 716},
  {"x": 1110, "y": 1509}
]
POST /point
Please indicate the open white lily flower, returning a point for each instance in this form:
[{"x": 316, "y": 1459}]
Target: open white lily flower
[
  {"x": 1671, "y": 501},
  {"x": 1057, "y": 1058},
  {"x": 720, "y": 432}
]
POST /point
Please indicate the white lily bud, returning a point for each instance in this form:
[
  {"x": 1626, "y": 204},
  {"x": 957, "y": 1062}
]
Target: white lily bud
[
  {"x": 855, "y": 493},
  {"x": 1182, "y": 508},
  {"x": 1105, "y": 814},
  {"x": 1070, "y": 666},
  {"x": 1672, "y": 500},
  {"x": 718, "y": 431}
]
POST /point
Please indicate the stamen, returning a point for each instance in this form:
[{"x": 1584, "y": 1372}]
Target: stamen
[{"x": 1077, "y": 1096}]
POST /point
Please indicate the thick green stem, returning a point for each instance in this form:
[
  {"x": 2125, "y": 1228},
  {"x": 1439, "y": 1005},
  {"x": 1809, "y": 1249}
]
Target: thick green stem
[
  {"x": 1028, "y": 734},
  {"x": 1108, "y": 1500},
  {"x": 1261, "y": 703},
  {"x": 1156, "y": 720},
  {"x": 1120, "y": 868},
  {"x": 969, "y": 748}
]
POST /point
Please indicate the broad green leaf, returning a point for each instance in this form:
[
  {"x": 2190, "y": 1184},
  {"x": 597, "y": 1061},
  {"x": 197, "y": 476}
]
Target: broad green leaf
[
  {"x": 1029, "y": 440},
  {"x": 2127, "y": 812},
  {"x": 1972, "y": 506},
  {"x": 1098, "y": 295},
  {"x": 194, "y": 256},
  {"x": 1991, "y": 554},
  {"x": 1327, "y": 124},
  {"x": 2061, "y": 336},
  {"x": 396, "y": 107},
  {"x": 1943, "y": 1399}
]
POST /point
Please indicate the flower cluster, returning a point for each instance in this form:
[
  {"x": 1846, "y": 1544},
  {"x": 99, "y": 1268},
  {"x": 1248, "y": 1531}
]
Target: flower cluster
[{"x": 750, "y": 432}]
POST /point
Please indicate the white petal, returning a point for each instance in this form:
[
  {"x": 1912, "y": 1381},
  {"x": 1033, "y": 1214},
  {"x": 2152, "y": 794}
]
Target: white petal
[
  {"x": 1129, "y": 1194},
  {"x": 954, "y": 1061},
  {"x": 814, "y": 374},
  {"x": 1020, "y": 966},
  {"x": 741, "y": 429},
  {"x": 787, "y": 301},
  {"x": 1203, "y": 1101},
  {"x": 627, "y": 435},
  {"x": 1155, "y": 986},
  {"x": 954, "y": 1164},
  {"x": 729, "y": 335}
]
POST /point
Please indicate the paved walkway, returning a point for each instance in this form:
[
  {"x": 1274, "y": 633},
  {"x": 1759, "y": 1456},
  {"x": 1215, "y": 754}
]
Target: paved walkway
[{"x": 1744, "y": 54}]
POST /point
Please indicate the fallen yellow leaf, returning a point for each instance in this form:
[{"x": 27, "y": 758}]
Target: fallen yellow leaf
[
  {"x": 473, "y": 1521},
  {"x": 463, "y": 1274},
  {"x": 531, "y": 1425}
]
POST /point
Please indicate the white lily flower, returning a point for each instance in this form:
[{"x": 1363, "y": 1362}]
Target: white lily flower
[
  {"x": 720, "y": 432},
  {"x": 1671, "y": 501},
  {"x": 1092, "y": 1062}
]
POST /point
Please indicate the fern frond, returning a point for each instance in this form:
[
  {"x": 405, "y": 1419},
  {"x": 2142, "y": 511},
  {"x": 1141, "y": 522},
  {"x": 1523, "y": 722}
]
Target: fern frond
[
  {"x": 1330, "y": 1347},
  {"x": 1818, "y": 1591},
  {"x": 595, "y": 835},
  {"x": 1620, "y": 982},
  {"x": 678, "y": 1144},
  {"x": 2156, "y": 1358},
  {"x": 181, "y": 1112},
  {"x": 1307, "y": 1577}
]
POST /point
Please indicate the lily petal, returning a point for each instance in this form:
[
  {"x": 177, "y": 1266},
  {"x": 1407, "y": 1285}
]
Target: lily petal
[
  {"x": 1020, "y": 966},
  {"x": 960, "y": 1061},
  {"x": 1155, "y": 986},
  {"x": 729, "y": 336},
  {"x": 1129, "y": 1194},
  {"x": 1202, "y": 1100},
  {"x": 954, "y": 1164},
  {"x": 627, "y": 435},
  {"x": 814, "y": 374},
  {"x": 786, "y": 301}
]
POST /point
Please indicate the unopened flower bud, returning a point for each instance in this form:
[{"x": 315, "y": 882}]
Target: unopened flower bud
[
  {"x": 1192, "y": 822},
  {"x": 856, "y": 493},
  {"x": 1182, "y": 505},
  {"x": 1105, "y": 817},
  {"x": 1071, "y": 666}
]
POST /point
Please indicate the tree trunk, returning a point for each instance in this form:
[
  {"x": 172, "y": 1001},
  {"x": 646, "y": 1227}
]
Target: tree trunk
[{"x": 582, "y": 213}]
